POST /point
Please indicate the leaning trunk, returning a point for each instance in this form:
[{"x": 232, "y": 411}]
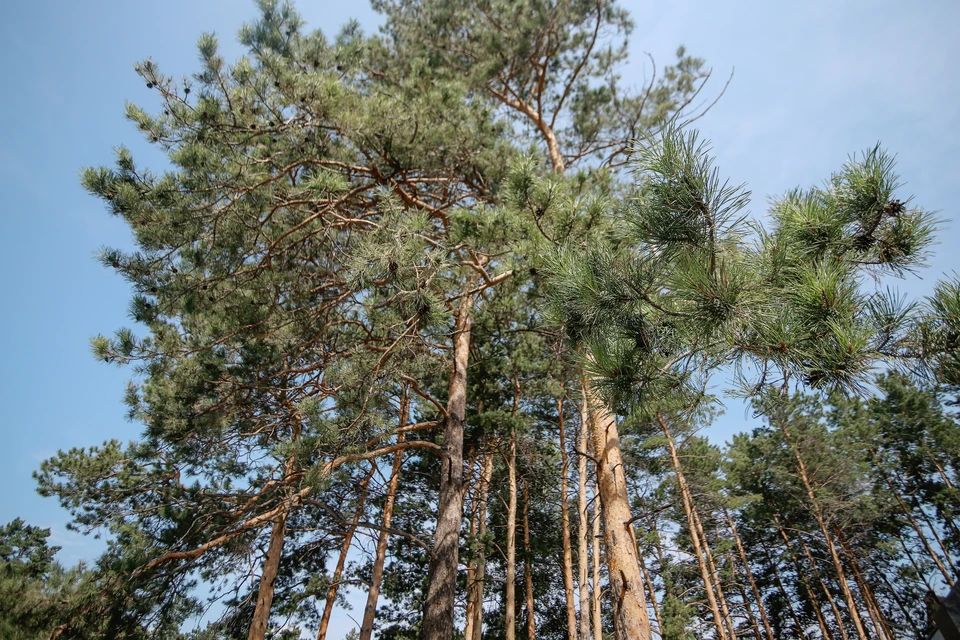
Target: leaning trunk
[
  {"x": 376, "y": 577},
  {"x": 623, "y": 564},
  {"x": 441, "y": 590},
  {"x": 344, "y": 551},
  {"x": 694, "y": 530},
  {"x": 753, "y": 583},
  {"x": 261, "y": 615}
]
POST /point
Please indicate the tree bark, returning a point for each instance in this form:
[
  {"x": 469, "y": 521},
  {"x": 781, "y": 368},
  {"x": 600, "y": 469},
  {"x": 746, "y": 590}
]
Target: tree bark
[
  {"x": 583, "y": 554},
  {"x": 694, "y": 530},
  {"x": 749, "y": 574},
  {"x": 261, "y": 614},
  {"x": 376, "y": 578},
  {"x": 797, "y": 625},
  {"x": 596, "y": 616},
  {"x": 510, "y": 600},
  {"x": 828, "y": 539},
  {"x": 474, "y": 623},
  {"x": 442, "y": 586},
  {"x": 344, "y": 551},
  {"x": 714, "y": 574},
  {"x": 528, "y": 566},
  {"x": 565, "y": 525},
  {"x": 623, "y": 566},
  {"x": 810, "y": 593}
]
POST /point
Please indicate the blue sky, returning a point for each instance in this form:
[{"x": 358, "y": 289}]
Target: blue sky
[{"x": 814, "y": 82}]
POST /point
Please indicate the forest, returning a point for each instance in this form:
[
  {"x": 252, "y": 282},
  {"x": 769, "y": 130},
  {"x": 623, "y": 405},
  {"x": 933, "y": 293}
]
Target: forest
[{"x": 443, "y": 316}]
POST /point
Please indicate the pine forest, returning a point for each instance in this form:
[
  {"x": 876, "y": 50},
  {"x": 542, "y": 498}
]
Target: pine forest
[{"x": 442, "y": 315}]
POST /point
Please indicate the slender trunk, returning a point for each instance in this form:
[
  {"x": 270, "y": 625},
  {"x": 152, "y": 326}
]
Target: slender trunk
[
  {"x": 344, "y": 550},
  {"x": 442, "y": 585},
  {"x": 907, "y": 616},
  {"x": 828, "y": 539},
  {"x": 810, "y": 593},
  {"x": 714, "y": 574},
  {"x": 261, "y": 615},
  {"x": 623, "y": 566},
  {"x": 565, "y": 525},
  {"x": 754, "y": 626},
  {"x": 753, "y": 583},
  {"x": 583, "y": 559},
  {"x": 880, "y": 623},
  {"x": 376, "y": 578},
  {"x": 797, "y": 625},
  {"x": 596, "y": 616},
  {"x": 474, "y": 623},
  {"x": 650, "y": 592},
  {"x": 527, "y": 566},
  {"x": 472, "y": 562},
  {"x": 510, "y": 602},
  {"x": 694, "y": 530}
]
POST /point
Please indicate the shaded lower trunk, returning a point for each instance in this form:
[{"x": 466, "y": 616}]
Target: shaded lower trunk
[
  {"x": 510, "y": 598},
  {"x": 528, "y": 566},
  {"x": 474, "y": 623},
  {"x": 438, "y": 608},
  {"x": 583, "y": 554}
]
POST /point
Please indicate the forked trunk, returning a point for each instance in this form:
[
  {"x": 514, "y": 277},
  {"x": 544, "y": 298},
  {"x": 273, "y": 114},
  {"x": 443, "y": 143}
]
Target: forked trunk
[{"x": 438, "y": 608}]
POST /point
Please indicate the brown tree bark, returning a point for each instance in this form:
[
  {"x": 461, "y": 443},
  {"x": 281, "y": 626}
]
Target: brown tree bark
[
  {"x": 596, "y": 615},
  {"x": 527, "y": 566},
  {"x": 565, "y": 525},
  {"x": 509, "y": 604},
  {"x": 753, "y": 583},
  {"x": 797, "y": 625},
  {"x": 583, "y": 554},
  {"x": 714, "y": 574},
  {"x": 694, "y": 530},
  {"x": 623, "y": 566},
  {"x": 376, "y": 577},
  {"x": 344, "y": 551},
  {"x": 261, "y": 614},
  {"x": 441, "y": 590},
  {"x": 810, "y": 593},
  {"x": 474, "y": 623}
]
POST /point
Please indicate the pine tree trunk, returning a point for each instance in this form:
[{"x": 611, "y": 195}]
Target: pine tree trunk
[
  {"x": 527, "y": 566},
  {"x": 261, "y": 614},
  {"x": 474, "y": 623},
  {"x": 880, "y": 624},
  {"x": 583, "y": 554},
  {"x": 376, "y": 577},
  {"x": 623, "y": 566},
  {"x": 650, "y": 592},
  {"x": 596, "y": 616},
  {"x": 714, "y": 574},
  {"x": 749, "y": 574},
  {"x": 565, "y": 525},
  {"x": 810, "y": 593},
  {"x": 442, "y": 585},
  {"x": 510, "y": 598},
  {"x": 344, "y": 551},
  {"x": 694, "y": 530},
  {"x": 828, "y": 539}
]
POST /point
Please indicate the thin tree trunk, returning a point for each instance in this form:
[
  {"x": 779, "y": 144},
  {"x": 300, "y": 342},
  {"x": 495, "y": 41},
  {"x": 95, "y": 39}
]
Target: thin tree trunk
[
  {"x": 749, "y": 574},
  {"x": 880, "y": 623},
  {"x": 797, "y": 625},
  {"x": 376, "y": 578},
  {"x": 754, "y": 626},
  {"x": 583, "y": 559},
  {"x": 650, "y": 592},
  {"x": 510, "y": 602},
  {"x": 623, "y": 566},
  {"x": 261, "y": 614},
  {"x": 442, "y": 585},
  {"x": 806, "y": 585},
  {"x": 714, "y": 574},
  {"x": 694, "y": 530},
  {"x": 344, "y": 551},
  {"x": 596, "y": 616},
  {"x": 565, "y": 525},
  {"x": 527, "y": 566},
  {"x": 474, "y": 624},
  {"x": 828, "y": 539}
]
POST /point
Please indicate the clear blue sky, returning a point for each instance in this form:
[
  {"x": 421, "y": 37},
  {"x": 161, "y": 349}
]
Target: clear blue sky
[{"x": 814, "y": 82}]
